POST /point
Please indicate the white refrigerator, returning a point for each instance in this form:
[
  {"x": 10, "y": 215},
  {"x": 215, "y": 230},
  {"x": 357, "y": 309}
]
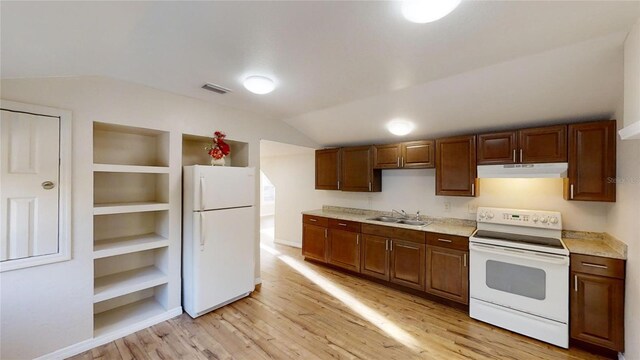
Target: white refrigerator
[{"x": 218, "y": 240}]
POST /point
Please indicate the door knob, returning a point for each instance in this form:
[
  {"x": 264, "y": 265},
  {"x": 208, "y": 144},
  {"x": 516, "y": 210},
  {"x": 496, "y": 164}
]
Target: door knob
[{"x": 48, "y": 185}]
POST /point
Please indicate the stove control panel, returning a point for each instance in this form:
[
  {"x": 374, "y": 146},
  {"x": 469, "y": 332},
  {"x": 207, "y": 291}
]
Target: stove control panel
[{"x": 529, "y": 218}]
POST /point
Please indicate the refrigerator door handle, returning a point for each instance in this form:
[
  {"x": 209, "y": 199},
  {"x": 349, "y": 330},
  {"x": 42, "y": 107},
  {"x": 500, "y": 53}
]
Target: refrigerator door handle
[
  {"x": 202, "y": 234},
  {"x": 202, "y": 194}
]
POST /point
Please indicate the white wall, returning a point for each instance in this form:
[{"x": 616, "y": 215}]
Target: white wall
[
  {"x": 624, "y": 224},
  {"x": 294, "y": 179},
  {"x": 50, "y": 307},
  {"x": 632, "y": 76}
]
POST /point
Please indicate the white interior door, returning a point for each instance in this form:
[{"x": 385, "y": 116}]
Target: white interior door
[
  {"x": 29, "y": 179},
  {"x": 224, "y": 257}
]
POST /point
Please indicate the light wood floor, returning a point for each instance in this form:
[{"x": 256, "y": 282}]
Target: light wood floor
[{"x": 305, "y": 311}]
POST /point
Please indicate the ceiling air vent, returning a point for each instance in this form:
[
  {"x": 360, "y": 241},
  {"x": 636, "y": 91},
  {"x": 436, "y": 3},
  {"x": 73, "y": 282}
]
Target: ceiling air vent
[{"x": 215, "y": 88}]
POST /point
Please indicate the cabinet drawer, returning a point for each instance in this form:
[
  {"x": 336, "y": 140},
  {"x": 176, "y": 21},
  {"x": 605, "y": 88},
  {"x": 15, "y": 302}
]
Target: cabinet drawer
[
  {"x": 394, "y": 233},
  {"x": 344, "y": 225},
  {"x": 315, "y": 220},
  {"x": 448, "y": 241},
  {"x": 597, "y": 265}
]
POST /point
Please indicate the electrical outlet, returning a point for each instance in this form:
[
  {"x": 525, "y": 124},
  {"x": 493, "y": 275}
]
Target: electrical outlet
[
  {"x": 473, "y": 208},
  {"x": 447, "y": 206}
]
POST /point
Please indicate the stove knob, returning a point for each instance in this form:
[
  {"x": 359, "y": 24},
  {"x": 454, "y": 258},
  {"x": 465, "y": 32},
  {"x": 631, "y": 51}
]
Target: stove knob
[
  {"x": 490, "y": 215},
  {"x": 554, "y": 220},
  {"x": 482, "y": 215},
  {"x": 535, "y": 218},
  {"x": 544, "y": 220}
]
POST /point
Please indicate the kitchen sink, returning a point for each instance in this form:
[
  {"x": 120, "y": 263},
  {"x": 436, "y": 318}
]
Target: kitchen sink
[
  {"x": 390, "y": 219},
  {"x": 411, "y": 222},
  {"x": 385, "y": 219}
]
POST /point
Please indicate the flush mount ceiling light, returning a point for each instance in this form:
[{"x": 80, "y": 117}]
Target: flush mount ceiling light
[
  {"x": 425, "y": 11},
  {"x": 400, "y": 127},
  {"x": 259, "y": 84}
]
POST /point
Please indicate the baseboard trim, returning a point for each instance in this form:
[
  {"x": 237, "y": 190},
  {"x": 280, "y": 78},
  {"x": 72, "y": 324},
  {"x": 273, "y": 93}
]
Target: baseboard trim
[
  {"x": 89, "y": 344},
  {"x": 620, "y": 356},
  {"x": 257, "y": 281},
  {"x": 288, "y": 243}
]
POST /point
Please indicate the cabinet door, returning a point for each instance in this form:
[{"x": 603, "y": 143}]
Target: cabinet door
[
  {"x": 344, "y": 249},
  {"x": 314, "y": 242},
  {"x": 407, "y": 263},
  {"x": 456, "y": 166},
  {"x": 357, "y": 170},
  {"x": 418, "y": 155},
  {"x": 448, "y": 274},
  {"x": 328, "y": 169},
  {"x": 375, "y": 256},
  {"x": 497, "y": 148},
  {"x": 597, "y": 310},
  {"x": 386, "y": 156},
  {"x": 592, "y": 161},
  {"x": 543, "y": 145}
]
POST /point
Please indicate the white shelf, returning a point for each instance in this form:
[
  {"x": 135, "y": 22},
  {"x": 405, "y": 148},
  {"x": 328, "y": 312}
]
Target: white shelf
[
  {"x": 128, "y": 244},
  {"x": 126, "y": 316},
  {"x": 130, "y": 169},
  {"x": 110, "y": 286},
  {"x": 123, "y": 208}
]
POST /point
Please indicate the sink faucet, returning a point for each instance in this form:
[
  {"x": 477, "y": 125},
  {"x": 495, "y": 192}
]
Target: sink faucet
[
  {"x": 418, "y": 215},
  {"x": 402, "y": 214}
]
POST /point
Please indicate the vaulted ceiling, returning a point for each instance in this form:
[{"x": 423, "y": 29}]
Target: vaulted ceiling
[{"x": 343, "y": 69}]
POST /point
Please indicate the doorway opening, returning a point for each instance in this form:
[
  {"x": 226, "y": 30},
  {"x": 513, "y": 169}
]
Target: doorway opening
[
  {"x": 287, "y": 187},
  {"x": 267, "y": 209}
]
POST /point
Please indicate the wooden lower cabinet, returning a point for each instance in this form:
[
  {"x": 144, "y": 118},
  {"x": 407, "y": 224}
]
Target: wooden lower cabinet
[
  {"x": 315, "y": 242},
  {"x": 375, "y": 256},
  {"x": 448, "y": 273},
  {"x": 407, "y": 263},
  {"x": 344, "y": 249},
  {"x": 597, "y": 301}
]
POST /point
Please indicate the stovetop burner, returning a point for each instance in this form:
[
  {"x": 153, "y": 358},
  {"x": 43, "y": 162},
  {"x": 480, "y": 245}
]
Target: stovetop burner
[{"x": 517, "y": 238}]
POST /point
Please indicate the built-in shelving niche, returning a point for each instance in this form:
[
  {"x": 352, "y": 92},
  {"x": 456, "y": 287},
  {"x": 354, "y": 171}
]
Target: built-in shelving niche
[
  {"x": 118, "y": 234},
  {"x": 194, "y": 153},
  {"x": 131, "y": 226},
  {"x": 123, "y": 311}
]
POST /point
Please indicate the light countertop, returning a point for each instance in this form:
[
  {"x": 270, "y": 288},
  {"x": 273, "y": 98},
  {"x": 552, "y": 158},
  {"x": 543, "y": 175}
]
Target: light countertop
[
  {"x": 594, "y": 244},
  {"x": 436, "y": 225}
]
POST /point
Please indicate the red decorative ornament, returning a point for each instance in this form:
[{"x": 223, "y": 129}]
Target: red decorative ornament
[{"x": 218, "y": 148}]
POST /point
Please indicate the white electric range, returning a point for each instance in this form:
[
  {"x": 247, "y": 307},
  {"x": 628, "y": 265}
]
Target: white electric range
[{"x": 519, "y": 273}]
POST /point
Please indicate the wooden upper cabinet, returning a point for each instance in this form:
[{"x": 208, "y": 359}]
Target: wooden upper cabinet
[
  {"x": 387, "y": 156},
  {"x": 408, "y": 155},
  {"x": 498, "y": 148},
  {"x": 357, "y": 170},
  {"x": 456, "y": 166},
  {"x": 592, "y": 162},
  {"x": 328, "y": 169},
  {"x": 418, "y": 155},
  {"x": 543, "y": 145}
]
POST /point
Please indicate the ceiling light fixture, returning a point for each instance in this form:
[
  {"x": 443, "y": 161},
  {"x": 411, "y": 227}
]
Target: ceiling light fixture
[
  {"x": 426, "y": 11},
  {"x": 259, "y": 84},
  {"x": 400, "y": 127}
]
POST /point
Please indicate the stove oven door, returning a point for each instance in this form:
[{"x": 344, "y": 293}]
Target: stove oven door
[{"x": 527, "y": 281}]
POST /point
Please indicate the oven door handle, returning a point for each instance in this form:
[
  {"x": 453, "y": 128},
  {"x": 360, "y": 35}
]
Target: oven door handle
[{"x": 522, "y": 254}]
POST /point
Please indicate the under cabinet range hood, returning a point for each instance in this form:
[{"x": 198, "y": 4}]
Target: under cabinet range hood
[{"x": 550, "y": 170}]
